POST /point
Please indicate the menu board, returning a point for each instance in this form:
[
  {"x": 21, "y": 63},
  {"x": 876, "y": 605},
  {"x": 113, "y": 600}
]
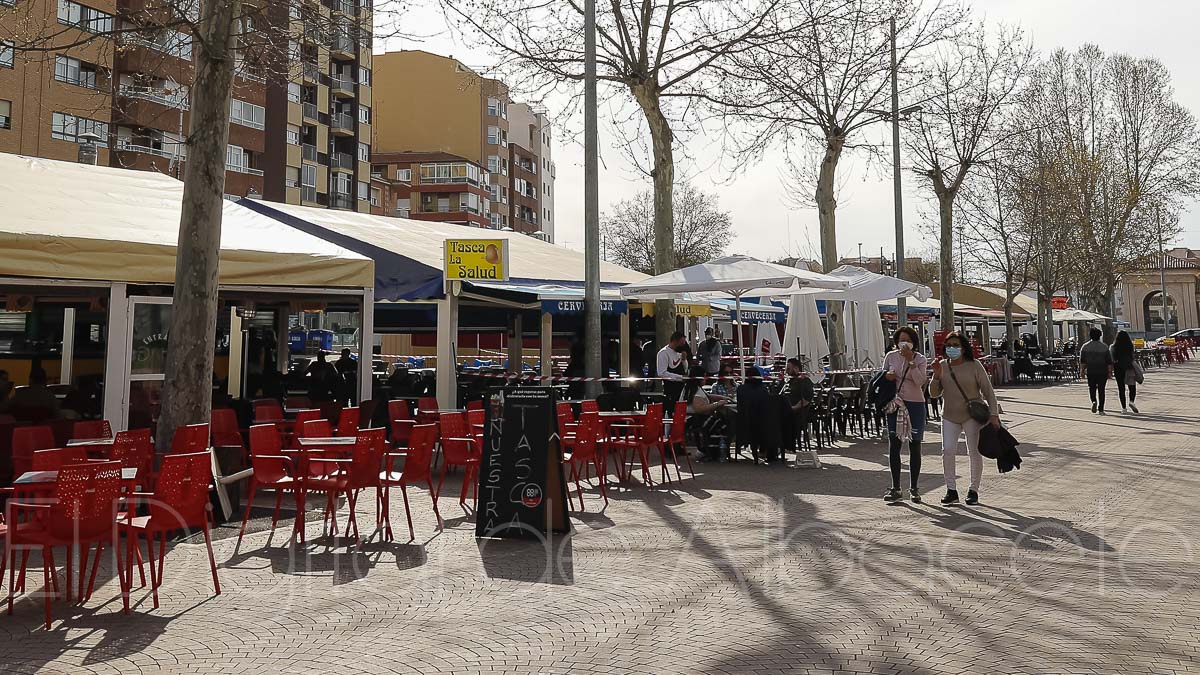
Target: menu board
[{"x": 522, "y": 491}]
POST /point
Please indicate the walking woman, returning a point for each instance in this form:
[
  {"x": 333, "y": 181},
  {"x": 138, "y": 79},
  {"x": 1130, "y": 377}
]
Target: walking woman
[
  {"x": 963, "y": 384},
  {"x": 1122, "y": 356},
  {"x": 906, "y": 366}
]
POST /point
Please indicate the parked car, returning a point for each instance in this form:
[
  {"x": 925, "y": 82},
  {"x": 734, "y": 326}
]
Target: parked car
[{"x": 1188, "y": 333}]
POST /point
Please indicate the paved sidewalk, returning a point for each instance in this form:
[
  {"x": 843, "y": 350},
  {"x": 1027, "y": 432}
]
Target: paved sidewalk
[{"x": 1084, "y": 561}]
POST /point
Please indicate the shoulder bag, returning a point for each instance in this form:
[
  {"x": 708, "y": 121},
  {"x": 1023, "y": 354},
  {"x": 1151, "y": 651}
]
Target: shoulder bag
[
  {"x": 977, "y": 408},
  {"x": 1136, "y": 372}
]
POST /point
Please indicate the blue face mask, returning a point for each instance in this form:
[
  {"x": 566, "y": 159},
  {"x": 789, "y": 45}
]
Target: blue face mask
[{"x": 953, "y": 352}]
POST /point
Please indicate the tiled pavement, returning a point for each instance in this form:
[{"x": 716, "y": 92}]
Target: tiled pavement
[{"x": 1084, "y": 561}]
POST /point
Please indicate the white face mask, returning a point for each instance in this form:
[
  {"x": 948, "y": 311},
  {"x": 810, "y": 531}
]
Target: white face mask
[{"x": 906, "y": 346}]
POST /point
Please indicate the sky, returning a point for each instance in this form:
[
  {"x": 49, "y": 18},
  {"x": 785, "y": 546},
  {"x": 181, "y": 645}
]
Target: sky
[{"x": 760, "y": 198}]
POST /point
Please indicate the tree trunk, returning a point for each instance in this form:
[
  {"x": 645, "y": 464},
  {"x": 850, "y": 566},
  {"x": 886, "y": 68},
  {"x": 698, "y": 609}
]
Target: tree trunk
[
  {"x": 826, "y": 198},
  {"x": 1009, "y": 327},
  {"x": 946, "y": 256},
  {"x": 663, "y": 174},
  {"x": 1110, "y": 326},
  {"x": 187, "y": 388}
]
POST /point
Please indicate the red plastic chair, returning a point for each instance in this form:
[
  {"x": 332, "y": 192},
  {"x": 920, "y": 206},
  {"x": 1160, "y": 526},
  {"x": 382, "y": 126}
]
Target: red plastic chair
[
  {"x": 57, "y": 458},
  {"x": 179, "y": 502},
  {"x": 566, "y": 418},
  {"x": 401, "y": 422},
  {"x": 418, "y": 466},
  {"x": 476, "y": 419},
  {"x": 225, "y": 430},
  {"x": 676, "y": 440},
  {"x": 297, "y": 402},
  {"x": 477, "y": 404},
  {"x": 83, "y": 513},
  {"x": 25, "y": 440},
  {"x": 363, "y": 472},
  {"x": 427, "y": 407},
  {"x": 347, "y": 425},
  {"x": 458, "y": 449},
  {"x": 317, "y": 428},
  {"x": 91, "y": 429},
  {"x": 639, "y": 439},
  {"x": 583, "y": 450},
  {"x": 267, "y": 410},
  {"x": 134, "y": 449},
  {"x": 190, "y": 438},
  {"x": 272, "y": 470},
  {"x": 590, "y": 405}
]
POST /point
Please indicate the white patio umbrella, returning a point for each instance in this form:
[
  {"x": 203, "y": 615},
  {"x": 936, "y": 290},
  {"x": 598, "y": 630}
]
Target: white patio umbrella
[
  {"x": 803, "y": 335},
  {"x": 735, "y": 275},
  {"x": 766, "y": 342},
  {"x": 866, "y": 328}
]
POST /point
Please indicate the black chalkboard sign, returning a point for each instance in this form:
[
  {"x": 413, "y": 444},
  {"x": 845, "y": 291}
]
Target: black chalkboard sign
[{"x": 522, "y": 492}]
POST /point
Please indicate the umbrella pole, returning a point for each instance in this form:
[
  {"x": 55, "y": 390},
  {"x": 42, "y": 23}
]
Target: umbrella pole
[
  {"x": 854, "y": 325},
  {"x": 737, "y": 301}
]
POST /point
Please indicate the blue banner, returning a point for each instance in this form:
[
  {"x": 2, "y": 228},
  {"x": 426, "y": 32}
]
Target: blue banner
[{"x": 577, "y": 306}]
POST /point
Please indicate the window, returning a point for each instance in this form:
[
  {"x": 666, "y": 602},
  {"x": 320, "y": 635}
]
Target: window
[
  {"x": 308, "y": 175},
  {"x": 6, "y": 54},
  {"x": 493, "y": 192},
  {"x": 292, "y": 177},
  {"x": 5, "y": 114},
  {"x": 494, "y": 218},
  {"x": 493, "y": 135},
  {"x": 468, "y": 201},
  {"x": 293, "y": 134},
  {"x": 504, "y": 167},
  {"x": 294, "y": 10},
  {"x": 443, "y": 205},
  {"x": 341, "y": 183},
  {"x": 402, "y": 207},
  {"x": 74, "y": 71},
  {"x": 364, "y": 190},
  {"x": 503, "y": 195},
  {"x": 247, "y": 114},
  {"x": 74, "y": 14},
  {"x": 67, "y": 127},
  {"x": 497, "y": 108},
  {"x": 364, "y": 152},
  {"x": 364, "y": 114},
  {"x": 364, "y": 76},
  {"x": 493, "y": 164},
  {"x": 404, "y": 175},
  {"x": 294, "y": 92},
  {"x": 236, "y": 158},
  {"x": 375, "y": 196},
  {"x": 293, "y": 51}
]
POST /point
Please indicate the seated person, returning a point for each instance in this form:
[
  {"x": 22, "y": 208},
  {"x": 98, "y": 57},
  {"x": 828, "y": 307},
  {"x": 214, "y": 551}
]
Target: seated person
[
  {"x": 708, "y": 418},
  {"x": 798, "y": 392},
  {"x": 34, "y": 402}
]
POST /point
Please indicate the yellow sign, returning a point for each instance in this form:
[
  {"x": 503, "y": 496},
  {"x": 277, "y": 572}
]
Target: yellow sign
[
  {"x": 681, "y": 309},
  {"x": 476, "y": 259},
  {"x": 1139, "y": 343}
]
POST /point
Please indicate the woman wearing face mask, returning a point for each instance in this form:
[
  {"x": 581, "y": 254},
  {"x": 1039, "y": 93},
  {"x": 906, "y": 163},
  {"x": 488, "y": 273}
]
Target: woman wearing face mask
[
  {"x": 959, "y": 379},
  {"x": 906, "y": 366}
]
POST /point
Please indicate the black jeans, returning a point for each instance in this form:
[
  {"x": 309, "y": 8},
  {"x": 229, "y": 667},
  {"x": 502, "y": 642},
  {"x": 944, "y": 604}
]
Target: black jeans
[
  {"x": 1124, "y": 380},
  {"x": 1097, "y": 382}
]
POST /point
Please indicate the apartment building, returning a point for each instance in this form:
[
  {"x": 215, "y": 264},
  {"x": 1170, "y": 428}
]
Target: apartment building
[
  {"x": 434, "y": 186},
  {"x": 429, "y": 104},
  {"x": 303, "y": 138}
]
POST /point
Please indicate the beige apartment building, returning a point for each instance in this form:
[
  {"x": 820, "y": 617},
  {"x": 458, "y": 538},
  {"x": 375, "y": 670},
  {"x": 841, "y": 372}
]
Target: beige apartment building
[{"x": 428, "y": 104}]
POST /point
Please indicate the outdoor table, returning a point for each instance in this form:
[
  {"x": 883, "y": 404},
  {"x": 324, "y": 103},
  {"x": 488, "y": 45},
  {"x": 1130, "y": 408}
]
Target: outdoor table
[
  {"x": 90, "y": 441},
  {"x": 310, "y": 446},
  {"x": 847, "y": 392},
  {"x": 97, "y": 447},
  {"x": 49, "y": 477}
]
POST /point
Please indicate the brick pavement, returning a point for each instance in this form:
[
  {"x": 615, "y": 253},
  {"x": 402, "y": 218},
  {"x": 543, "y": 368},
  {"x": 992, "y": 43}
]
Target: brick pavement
[{"x": 1083, "y": 561}]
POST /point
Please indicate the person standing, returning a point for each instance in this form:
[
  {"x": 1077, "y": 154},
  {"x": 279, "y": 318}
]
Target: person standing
[
  {"x": 799, "y": 393},
  {"x": 322, "y": 379},
  {"x": 1095, "y": 360},
  {"x": 959, "y": 379},
  {"x": 671, "y": 366},
  {"x": 1123, "y": 370},
  {"x": 709, "y": 353},
  {"x": 906, "y": 366}
]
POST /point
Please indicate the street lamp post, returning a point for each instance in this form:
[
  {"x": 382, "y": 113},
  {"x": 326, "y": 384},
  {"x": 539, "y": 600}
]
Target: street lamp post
[{"x": 1162, "y": 275}]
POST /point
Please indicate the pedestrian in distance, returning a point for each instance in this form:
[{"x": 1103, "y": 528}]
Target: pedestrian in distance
[
  {"x": 709, "y": 353},
  {"x": 969, "y": 402},
  {"x": 1096, "y": 361},
  {"x": 672, "y": 367},
  {"x": 1125, "y": 370},
  {"x": 906, "y": 366}
]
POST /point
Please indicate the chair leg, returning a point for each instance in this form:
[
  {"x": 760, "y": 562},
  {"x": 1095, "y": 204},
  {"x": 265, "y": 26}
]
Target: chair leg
[
  {"x": 83, "y": 568},
  {"x": 46, "y": 558},
  {"x": 153, "y": 567},
  {"x": 67, "y": 587},
  {"x": 352, "y": 501},
  {"x": 212, "y": 560},
  {"x": 92, "y": 577},
  {"x": 408, "y": 513},
  {"x": 434, "y": 496},
  {"x": 11, "y": 554},
  {"x": 245, "y": 517},
  {"x": 278, "y": 503}
]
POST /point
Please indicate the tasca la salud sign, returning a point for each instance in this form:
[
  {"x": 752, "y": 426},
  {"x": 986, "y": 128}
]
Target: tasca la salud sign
[{"x": 484, "y": 259}]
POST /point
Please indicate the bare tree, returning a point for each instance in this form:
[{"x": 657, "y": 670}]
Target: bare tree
[
  {"x": 821, "y": 89},
  {"x": 668, "y": 56},
  {"x": 702, "y": 230},
  {"x": 972, "y": 82},
  {"x": 996, "y": 235}
]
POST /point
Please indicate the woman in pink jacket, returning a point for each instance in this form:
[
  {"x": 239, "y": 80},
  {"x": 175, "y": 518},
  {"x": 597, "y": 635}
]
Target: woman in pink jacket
[{"x": 905, "y": 366}]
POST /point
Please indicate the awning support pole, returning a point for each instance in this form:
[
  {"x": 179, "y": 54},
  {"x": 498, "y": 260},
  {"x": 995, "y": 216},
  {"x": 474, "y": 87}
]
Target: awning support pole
[
  {"x": 447, "y": 331},
  {"x": 116, "y": 363},
  {"x": 737, "y": 326},
  {"x": 625, "y": 345},
  {"x": 366, "y": 352},
  {"x": 546, "y": 346}
]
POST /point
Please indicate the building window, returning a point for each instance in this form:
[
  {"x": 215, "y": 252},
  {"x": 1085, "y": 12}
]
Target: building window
[
  {"x": 503, "y": 195},
  {"x": 375, "y": 196},
  {"x": 494, "y": 219},
  {"x": 364, "y": 114},
  {"x": 294, "y": 92},
  {"x": 404, "y": 175},
  {"x": 493, "y": 137},
  {"x": 504, "y": 167},
  {"x": 67, "y": 127},
  {"x": 341, "y": 183},
  {"x": 294, "y": 10},
  {"x": 364, "y": 190},
  {"x": 5, "y": 114},
  {"x": 85, "y": 18},
  {"x": 293, "y": 134},
  {"x": 74, "y": 71},
  {"x": 497, "y": 108},
  {"x": 308, "y": 175},
  {"x": 6, "y": 54},
  {"x": 402, "y": 207},
  {"x": 291, "y": 177},
  {"x": 247, "y": 114},
  {"x": 468, "y": 201},
  {"x": 364, "y": 76},
  {"x": 493, "y": 164},
  {"x": 364, "y": 152},
  {"x": 236, "y": 158},
  {"x": 460, "y": 172},
  {"x": 443, "y": 205}
]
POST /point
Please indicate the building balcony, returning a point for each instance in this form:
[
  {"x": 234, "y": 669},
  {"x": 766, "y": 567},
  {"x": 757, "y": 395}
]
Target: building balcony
[
  {"x": 338, "y": 200},
  {"x": 311, "y": 33},
  {"x": 309, "y": 110},
  {"x": 341, "y": 124},
  {"x": 243, "y": 169},
  {"x": 342, "y": 160},
  {"x": 342, "y": 46},
  {"x": 173, "y": 155},
  {"x": 310, "y": 72},
  {"x": 308, "y": 152},
  {"x": 344, "y": 7},
  {"x": 308, "y": 193},
  {"x": 342, "y": 87}
]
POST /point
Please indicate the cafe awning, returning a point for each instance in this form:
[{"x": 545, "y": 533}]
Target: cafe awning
[
  {"x": 408, "y": 253},
  {"x": 63, "y": 220}
]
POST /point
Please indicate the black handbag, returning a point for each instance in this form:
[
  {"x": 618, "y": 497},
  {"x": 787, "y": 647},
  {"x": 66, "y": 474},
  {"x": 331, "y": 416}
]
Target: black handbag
[{"x": 977, "y": 408}]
